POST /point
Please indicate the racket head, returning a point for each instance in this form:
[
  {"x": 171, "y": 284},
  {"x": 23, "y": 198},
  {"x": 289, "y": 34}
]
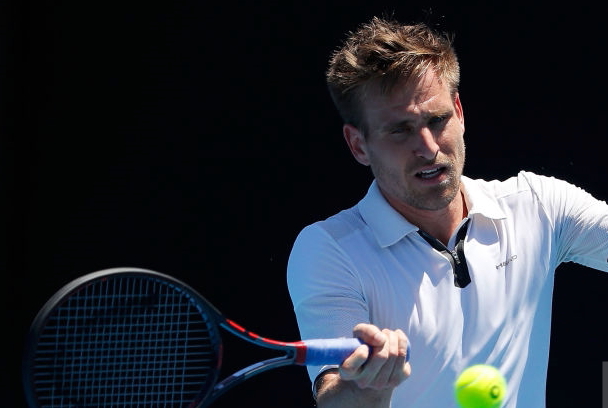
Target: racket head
[{"x": 122, "y": 337}]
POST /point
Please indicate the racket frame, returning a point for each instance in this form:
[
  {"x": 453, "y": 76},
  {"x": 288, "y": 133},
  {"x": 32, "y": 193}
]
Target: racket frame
[{"x": 297, "y": 352}]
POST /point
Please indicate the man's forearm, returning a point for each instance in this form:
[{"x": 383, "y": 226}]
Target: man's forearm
[{"x": 334, "y": 392}]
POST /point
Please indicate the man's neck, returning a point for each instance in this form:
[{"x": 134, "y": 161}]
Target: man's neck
[{"x": 442, "y": 223}]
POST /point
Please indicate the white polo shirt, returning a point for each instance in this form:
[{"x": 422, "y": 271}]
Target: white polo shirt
[{"x": 369, "y": 264}]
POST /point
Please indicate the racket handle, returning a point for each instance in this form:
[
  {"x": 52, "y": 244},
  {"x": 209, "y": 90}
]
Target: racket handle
[{"x": 329, "y": 351}]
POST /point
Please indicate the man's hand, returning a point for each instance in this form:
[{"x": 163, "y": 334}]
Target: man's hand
[
  {"x": 386, "y": 367},
  {"x": 369, "y": 375}
]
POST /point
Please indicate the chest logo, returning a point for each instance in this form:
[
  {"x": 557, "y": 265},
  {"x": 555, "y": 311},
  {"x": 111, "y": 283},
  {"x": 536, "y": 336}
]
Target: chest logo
[{"x": 507, "y": 262}]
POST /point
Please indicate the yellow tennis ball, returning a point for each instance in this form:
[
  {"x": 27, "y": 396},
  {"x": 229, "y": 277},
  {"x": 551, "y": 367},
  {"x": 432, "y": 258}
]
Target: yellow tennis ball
[{"x": 480, "y": 386}]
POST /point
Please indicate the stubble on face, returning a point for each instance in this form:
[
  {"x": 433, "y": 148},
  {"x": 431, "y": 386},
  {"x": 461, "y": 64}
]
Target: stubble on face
[{"x": 394, "y": 185}]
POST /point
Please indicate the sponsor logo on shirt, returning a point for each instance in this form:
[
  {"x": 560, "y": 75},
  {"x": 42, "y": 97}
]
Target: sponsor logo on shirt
[{"x": 507, "y": 262}]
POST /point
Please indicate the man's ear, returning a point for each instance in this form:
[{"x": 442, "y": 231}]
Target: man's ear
[
  {"x": 459, "y": 110},
  {"x": 356, "y": 143}
]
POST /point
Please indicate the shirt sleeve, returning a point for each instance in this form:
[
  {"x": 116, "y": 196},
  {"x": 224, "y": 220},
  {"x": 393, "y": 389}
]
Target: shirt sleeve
[
  {"x": 580, "y": 221},
  {"x": 326, "y": 293}
]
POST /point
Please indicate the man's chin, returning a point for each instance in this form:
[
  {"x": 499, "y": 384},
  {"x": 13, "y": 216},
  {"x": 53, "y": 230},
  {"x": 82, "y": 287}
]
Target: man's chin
[{"x": 436, "y": 201}]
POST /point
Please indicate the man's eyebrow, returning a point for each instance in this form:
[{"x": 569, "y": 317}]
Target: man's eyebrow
[
  {"x": 438, "y": 112},
  {"x": 425, "y": 116}
]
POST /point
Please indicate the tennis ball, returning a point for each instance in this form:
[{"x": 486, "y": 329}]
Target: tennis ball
[{"x": 480, "y": 386}]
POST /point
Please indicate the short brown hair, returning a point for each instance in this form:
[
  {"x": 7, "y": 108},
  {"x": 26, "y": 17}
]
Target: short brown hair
[{"x": 383, "y": 52}]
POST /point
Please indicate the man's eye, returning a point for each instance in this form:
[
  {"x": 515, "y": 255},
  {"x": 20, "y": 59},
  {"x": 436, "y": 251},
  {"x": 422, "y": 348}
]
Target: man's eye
[
  {"x": 438, "y": 120},
  {"x": 401, "y": 130}
]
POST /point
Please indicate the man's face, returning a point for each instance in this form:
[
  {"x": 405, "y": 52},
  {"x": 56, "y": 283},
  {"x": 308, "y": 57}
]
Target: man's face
[{"x": 414, "y": 143}]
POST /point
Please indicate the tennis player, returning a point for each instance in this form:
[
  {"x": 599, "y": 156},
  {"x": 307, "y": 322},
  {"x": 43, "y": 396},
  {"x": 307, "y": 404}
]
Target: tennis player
[{"x": 460, "y": 269}]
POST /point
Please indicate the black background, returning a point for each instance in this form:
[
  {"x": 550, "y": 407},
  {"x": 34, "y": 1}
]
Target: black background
[{"x": 197, "y": 138}]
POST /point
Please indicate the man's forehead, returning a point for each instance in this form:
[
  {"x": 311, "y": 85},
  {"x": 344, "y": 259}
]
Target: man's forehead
[{"x": 426, "y": 92}]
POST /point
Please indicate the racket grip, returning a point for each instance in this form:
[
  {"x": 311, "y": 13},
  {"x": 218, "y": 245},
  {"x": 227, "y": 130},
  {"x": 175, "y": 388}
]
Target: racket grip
[
  {"x": 332, "y": 351},
  {"x": 329, "y": 351}
]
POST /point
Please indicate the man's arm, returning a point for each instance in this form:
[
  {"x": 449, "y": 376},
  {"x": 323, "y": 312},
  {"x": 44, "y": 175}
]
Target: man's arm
[
  {"x": 367, "y": 377},
  {"x": 334, "y": 392}
]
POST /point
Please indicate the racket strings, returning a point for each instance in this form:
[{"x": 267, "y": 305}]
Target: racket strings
[{"x": 125, "y": 341}]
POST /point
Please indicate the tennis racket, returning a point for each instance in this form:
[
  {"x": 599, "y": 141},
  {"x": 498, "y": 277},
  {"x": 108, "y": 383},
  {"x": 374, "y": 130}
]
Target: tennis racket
[{"x": 127, "y": 337}]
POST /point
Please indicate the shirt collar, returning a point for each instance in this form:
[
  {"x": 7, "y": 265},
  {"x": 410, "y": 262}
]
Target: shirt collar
[
  {"x": 388, "y": 226},
  {"x": 481, "y": 200}
]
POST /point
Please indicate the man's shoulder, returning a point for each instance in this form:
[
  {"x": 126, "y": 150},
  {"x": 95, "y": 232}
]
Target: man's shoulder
[
  {"x": 522, "y": 182},
  {"x": 342, "y": 223}
]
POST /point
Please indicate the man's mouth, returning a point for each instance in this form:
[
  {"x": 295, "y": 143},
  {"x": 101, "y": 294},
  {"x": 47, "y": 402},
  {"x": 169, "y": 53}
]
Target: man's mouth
[{"x": 429, "y": 174}]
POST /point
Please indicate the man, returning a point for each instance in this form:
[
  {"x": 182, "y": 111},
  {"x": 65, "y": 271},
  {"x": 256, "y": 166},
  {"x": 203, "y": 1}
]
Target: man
[{"x": 461, "y": 270}]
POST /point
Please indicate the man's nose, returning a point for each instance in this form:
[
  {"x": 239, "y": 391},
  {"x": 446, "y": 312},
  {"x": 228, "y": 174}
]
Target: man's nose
[{"x": 426, "y": 146}]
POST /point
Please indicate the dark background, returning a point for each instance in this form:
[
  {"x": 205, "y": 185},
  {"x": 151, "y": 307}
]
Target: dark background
[{"x": 197, "y": 138}]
